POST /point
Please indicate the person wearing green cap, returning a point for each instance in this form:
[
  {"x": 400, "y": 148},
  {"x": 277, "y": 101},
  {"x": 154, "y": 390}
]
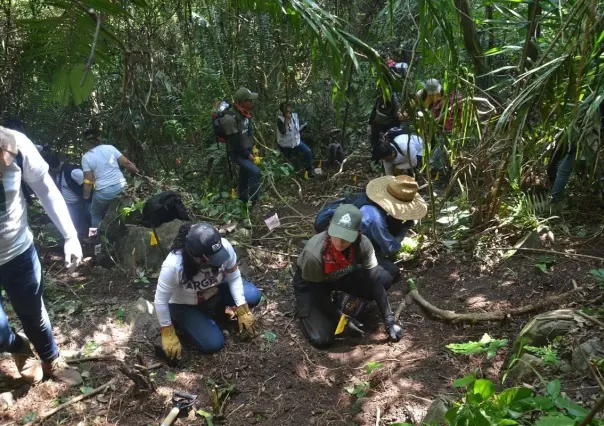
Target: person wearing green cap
[
  {"x": 341, "y": 259},
  {"x": 237, "y": 126}
]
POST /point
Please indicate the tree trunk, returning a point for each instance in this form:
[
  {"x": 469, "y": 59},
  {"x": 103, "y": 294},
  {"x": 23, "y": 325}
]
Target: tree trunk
[{"x": 470, "y": 39}]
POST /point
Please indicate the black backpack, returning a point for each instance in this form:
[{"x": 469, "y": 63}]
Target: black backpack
[
  {"x": 163, "y": 208},
  {"x": 28, "y": 194},
  {"x": 72, "y": 184}
]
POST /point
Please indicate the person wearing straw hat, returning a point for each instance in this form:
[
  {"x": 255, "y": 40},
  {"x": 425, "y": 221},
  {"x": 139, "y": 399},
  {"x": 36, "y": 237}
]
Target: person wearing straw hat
[
  {"x": 389, "y": 208},
  {"x": 339, "y": 259}
]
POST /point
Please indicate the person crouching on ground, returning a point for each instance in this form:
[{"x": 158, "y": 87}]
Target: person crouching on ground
[
  {"x": 343, "y": 259},
  {"x": 288, "y": 136},
  {"x": 198, "y": 278},
  {"x": 403, "y": 155}
]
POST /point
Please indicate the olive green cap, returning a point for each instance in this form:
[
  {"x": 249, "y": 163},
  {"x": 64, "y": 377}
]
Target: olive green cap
[{"x": 244, "y": 94}]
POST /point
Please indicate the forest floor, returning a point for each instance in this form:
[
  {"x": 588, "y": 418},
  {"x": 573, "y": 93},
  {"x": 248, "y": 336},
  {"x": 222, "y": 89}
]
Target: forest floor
[{"x": 278, "y": 378}]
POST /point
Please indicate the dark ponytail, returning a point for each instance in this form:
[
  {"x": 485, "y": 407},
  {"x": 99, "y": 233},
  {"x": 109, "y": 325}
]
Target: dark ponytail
[{"x": 189, "y": 266}]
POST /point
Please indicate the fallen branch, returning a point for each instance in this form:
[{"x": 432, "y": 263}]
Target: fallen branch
[
  {"x": 597, "y": 407},
  {"x": 559, "y": 253},
  {"x": 592, "y": 370},
  {"x": 590, "y": 318},
  {"x": 267, "y": 250},
  {"x": 92, "y": 358},
  {"x": 484, "y": 316},
  {"x": 42, "y": 416},
  {"x": 281, "y": 198}
]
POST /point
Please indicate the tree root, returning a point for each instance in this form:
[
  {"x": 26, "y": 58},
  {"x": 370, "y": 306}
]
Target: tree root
[{"x": 484, "y": 316}]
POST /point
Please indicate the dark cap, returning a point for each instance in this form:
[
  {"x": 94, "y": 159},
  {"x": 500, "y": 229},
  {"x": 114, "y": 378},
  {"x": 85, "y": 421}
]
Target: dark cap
[{"x": 204, "y": 240}]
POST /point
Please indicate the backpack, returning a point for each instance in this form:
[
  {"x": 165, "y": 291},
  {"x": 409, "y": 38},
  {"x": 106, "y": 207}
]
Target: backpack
[
  {"x": 163, "y": 208},
  {"x": 25, "y": 189},
  {"x": 217, "y": 115},
  {"x": 72, "y": 184},
  {"x": 324, "y": 216}
]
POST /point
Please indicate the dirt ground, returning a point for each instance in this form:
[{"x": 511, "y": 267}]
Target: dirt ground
[{"x": 277, "y": 378}]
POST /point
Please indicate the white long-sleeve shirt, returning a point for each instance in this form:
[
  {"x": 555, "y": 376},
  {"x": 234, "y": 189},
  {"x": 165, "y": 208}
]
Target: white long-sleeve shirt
[
  {"x": 15, "y": 235},
  {"x": 412, "y": 144},
  {"x": 173, "y": 287}
]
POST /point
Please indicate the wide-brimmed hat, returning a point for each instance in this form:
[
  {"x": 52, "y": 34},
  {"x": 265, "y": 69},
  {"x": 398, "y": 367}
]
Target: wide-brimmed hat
[
  {"x": 432, "y": 87},
  {"x": 398, "y": 196}
]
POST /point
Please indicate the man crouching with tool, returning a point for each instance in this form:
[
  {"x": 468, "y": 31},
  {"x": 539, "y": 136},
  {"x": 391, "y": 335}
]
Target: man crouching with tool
[
  {"x": 343, "y": 259},
  {"x": 199, "y": 278}
]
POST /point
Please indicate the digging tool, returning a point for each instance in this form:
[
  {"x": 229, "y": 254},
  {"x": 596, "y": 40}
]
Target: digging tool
[{"x": 181, "y": 401}]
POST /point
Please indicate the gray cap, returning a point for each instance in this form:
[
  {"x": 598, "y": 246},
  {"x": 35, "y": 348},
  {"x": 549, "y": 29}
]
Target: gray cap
[
  {"x": 345, "y": 223},
  {"x": 244, "y": 94}
]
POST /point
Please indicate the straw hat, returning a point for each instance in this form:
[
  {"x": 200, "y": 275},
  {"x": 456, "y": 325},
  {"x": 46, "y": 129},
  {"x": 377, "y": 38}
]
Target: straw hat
[{"x": 398, "y": 196}]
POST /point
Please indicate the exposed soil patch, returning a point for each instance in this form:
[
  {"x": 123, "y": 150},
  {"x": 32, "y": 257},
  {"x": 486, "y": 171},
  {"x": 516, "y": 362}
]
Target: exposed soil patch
[{"x": 279, "y": 378}]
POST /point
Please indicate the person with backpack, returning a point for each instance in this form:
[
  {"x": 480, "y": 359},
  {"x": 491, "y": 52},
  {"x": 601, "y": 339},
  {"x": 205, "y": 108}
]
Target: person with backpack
[
  {"x": 288, "y": 136},
  {"x": 340, "y": 259},
  {"x": 401, "y": 153},
  {"x": 199, "y": 279},
  {"x": 389, "y": 207},
  {"x": 70, "y": 181},
  {"x": 384, "y": 116},
  {"x": 101, "y": 166},
  {"x": 236, "y": 126},
  {"x": 21, "y": 275}
]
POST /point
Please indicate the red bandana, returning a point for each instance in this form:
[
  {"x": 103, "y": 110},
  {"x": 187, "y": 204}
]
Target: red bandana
[
  {"x": 244, "y": 112},
  {"x": 335, "y": 260}
]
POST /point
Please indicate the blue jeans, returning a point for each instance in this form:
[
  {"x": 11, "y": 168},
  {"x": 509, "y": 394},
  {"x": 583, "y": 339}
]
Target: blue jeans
[
  {"x": 195, "y": 322},
  {"x": 563, "y": 172},
  {"x": 302, "y": 149},
  {"x": 249, "y": 180},
  {"x": 80, "y": 216},
  {"x": 100, "y": 202},
  {"x": 21, "y": 278}
]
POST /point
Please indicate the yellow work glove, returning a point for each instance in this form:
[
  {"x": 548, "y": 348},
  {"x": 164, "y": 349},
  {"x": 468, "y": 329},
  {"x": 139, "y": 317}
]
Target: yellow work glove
[
  {"x": 257, "y": 160},
  {"x": 255, "y": 151},
  {"x": 170, "y": 343},
  {"x": 246, "y": 319}
]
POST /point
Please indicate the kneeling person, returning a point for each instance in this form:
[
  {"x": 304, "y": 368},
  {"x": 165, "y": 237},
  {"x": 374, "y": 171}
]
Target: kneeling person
[
  {"x": 343, "y": 259},
  {"x": 199, "y": 277}
]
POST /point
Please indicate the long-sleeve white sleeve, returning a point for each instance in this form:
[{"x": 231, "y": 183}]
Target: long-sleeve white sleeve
[
  {"x": 167, "y": 282},
  {"x": 236, "y": 286},
  {"x": 54, "y": 205}
]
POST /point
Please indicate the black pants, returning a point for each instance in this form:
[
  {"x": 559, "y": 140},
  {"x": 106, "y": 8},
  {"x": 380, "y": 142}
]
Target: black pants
[
  {"x": 376, "y": 131},
  {"x": 318, "y": 313}
]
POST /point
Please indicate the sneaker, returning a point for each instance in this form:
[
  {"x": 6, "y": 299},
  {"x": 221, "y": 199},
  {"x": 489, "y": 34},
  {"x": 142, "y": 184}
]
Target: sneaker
[
  {"x": 58, "y": 370},
  {"x": 27, "y": 364}
]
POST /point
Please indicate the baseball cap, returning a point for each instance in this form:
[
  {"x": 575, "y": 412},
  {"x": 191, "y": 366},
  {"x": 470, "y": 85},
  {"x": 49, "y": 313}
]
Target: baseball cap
[
  {"x": 244, "y": 94},
  {"x": 345, "y": 223},
  {"x": 204, "y": 240}
]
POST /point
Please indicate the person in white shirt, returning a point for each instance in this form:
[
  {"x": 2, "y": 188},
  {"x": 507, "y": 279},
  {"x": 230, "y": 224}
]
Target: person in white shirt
[
  {"x": 70, "y": 181},
  {"x": 20, "y": 271},
  {"x": 402, "y": 155},
  {"x": 101, "y": 166},
  {"x": 198, "y": 278},
  {"x": 288, "y": 136}
]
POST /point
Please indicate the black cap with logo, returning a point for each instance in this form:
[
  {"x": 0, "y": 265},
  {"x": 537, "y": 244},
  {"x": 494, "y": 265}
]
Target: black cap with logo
[{"x": 203, "y": 240}]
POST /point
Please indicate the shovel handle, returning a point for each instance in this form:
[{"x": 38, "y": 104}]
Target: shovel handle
[{"x": 171, "y": 417}]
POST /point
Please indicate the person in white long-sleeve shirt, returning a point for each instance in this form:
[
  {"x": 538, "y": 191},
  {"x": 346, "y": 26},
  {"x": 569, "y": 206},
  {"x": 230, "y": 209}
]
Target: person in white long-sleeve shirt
[
  {"x": 402, "y": 155},
  {"x": 20, "y": 270},
  {"x": 199, "y": 277}
]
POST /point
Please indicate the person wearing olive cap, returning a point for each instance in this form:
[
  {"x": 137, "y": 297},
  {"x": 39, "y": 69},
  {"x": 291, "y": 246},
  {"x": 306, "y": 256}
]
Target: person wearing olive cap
[
  {"x": 198, "y": 278},
  {"x": 237, "y": 126},
  {"x": 343, "y": 259}
]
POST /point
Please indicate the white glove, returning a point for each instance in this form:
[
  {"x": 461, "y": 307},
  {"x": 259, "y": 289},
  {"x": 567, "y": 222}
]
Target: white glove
[{"x": 73, "y": 252}]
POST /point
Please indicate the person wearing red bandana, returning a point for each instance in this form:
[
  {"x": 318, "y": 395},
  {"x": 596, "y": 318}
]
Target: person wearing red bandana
[
  {"x": 339, "y": 259},
  {"x": 237, "y": 126}
]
